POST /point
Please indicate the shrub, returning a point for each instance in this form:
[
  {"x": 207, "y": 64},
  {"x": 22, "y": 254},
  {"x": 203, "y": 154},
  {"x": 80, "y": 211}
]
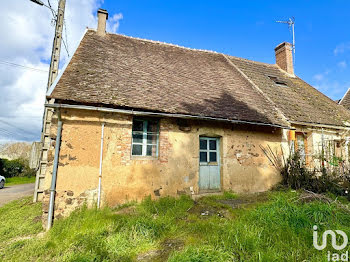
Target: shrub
[
  {"x": 15, "y": 168},
  {"x": 296, "y": 175}
]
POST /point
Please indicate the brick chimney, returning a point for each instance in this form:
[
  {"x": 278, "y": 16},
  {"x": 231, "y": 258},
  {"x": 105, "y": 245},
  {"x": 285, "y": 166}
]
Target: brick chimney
[
  {"x": 284, "y": 57},
  {"x": 102, "y": 16}
]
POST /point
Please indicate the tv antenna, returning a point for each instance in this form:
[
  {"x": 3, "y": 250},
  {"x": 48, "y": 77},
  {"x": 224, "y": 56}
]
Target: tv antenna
[{"x": 290, "y": 23}]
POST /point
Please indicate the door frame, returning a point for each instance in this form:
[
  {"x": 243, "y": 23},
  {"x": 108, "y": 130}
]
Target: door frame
[{"x": 218, "y": 156}]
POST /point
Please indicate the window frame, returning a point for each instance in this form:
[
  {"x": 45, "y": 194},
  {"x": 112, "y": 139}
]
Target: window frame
[
  {"x": 278, "y": 81},
  {"x": 208, "y": 150},
  {"x": 145, "y": 133}
]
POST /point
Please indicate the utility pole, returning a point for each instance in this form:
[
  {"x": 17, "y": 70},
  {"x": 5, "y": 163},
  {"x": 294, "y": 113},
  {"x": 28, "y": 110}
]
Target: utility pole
[{"x": 45, "y": 132}]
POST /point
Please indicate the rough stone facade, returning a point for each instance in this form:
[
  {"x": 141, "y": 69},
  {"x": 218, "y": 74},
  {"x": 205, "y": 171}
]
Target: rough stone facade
[{"x": 244, "y": 167}]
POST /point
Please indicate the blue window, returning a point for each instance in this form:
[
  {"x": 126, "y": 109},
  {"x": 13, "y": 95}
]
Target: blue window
[{"x": 145, "y": 134}]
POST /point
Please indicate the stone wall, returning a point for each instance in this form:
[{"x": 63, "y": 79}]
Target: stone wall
[{"x": 244, "y": 167}]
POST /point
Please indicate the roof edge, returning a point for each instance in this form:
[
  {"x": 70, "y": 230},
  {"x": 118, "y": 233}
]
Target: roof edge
[
  {"x": 150, "y": 113},
  {"x": 54, "y": 83},
  {"x": 319, "y": 125},
  {"x": 341, "y": 100}
]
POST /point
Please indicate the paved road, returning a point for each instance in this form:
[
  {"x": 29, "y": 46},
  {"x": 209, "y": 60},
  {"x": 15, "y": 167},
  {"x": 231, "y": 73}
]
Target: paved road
[{"x": 9, "y": 193}]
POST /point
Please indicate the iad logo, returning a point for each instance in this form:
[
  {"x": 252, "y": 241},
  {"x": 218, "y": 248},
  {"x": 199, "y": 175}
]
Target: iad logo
[{"x": 334, "y": 256}]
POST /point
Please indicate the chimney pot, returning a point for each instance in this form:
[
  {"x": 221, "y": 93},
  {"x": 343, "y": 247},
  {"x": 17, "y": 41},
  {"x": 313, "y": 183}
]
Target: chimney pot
[
  {"x": 284, "y": 57},
  {"x": 102, "y": 17}
]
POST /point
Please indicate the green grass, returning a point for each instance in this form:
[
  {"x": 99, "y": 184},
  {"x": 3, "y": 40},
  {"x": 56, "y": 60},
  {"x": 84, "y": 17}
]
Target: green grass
[
  {"x": 19, "y": 218},
  {"x": 19, "y": 180},
  {"x": 276, "y": 227}
]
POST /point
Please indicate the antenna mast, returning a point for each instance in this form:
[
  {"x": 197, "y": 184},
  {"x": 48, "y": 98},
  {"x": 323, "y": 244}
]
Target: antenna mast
[{"x": 290, "y": 23}]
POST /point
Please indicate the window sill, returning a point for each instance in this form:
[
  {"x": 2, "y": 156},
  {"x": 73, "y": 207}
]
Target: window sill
[{"x": 144, "y": 158}]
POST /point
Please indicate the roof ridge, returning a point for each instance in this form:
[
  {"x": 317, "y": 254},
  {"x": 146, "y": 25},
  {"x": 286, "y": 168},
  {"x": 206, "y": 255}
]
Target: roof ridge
[
  {"x": 161, "y": 43},
  {"x": 184, "y": 47},
  {"x": 341, "y": 100},
  {"x": 251, "y": 61}
]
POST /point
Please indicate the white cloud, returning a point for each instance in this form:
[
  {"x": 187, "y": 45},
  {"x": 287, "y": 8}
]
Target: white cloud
[
  {"x": 321, "y": 76},
  {"x": 341, "y": 48},
  {"x": 318, "y": 77},
  {"x": 113, "y": 23},
  {"x": 332, "y": 88},
  {"x": 27, "y": 36},
  {"x": 342, "y": 64}
]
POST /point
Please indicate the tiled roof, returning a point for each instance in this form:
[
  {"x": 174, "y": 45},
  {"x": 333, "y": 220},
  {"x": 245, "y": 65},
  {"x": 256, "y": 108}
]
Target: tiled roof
[
  {"x": 298, "y": 101},
  {"x": 345, "y": 101},
  {"x": 132, "y": 73},
  {"x": 125, "y": 72}
]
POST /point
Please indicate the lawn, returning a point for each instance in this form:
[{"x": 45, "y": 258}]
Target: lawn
[
  {"x": 19, "y": 180},
  {"x": 275, "y": 226}
]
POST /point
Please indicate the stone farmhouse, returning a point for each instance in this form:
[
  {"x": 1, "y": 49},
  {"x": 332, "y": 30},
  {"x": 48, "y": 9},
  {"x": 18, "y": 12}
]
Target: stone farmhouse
[{"x": 135, "y": 118}]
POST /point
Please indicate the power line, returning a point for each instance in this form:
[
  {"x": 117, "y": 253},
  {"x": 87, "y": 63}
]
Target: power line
[
  {"x": 65, "y": 46},
  {"x": 10, "y": 133},
  {"x": 21, "y": 117},
  {"x": 4, "y": 131},
  {"x": 52, "y": 11},
  {"x": 18, "y": 128},
  {"x": 54, "y": 14},
  {"x": 22, "y": 66},
  {"x": 16, "y": 134},
  {"x": 64, "y": 42}
]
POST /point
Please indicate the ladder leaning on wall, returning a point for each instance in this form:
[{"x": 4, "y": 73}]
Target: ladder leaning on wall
[{"x": 48, "y": 112}]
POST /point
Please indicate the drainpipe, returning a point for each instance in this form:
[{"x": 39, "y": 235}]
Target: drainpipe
[
  {"x": 100, "y": 172},
  {"x": 54, "y": 173}
]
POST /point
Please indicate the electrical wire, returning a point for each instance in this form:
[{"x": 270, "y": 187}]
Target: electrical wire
[
  {"x": 22, "y": 66},
  {"x": 65, "y": 46},
  {"x": 18, "y": 128},
  {"x": 20, "y": 117},
  {"x": 52, "y": 10},
  {"x": 12, "y": 134},
  {"x": 64, "y": 42},
  {"x": 15, "y": 134}
]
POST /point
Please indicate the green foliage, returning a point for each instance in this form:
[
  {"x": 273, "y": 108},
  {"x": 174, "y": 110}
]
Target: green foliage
[
  {"x": 19, "y": 180},
  {"x": 15, "y": 168},
  {"x": 205, "y": 253},
  {"x": 296, "y": 175},
  {"x": 19, "y": 218},
  {"x": 276, "y": 228},
  {"x": 166, "y": 206}
]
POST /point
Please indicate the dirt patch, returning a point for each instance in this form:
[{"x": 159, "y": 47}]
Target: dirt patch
[
  {"x": 234, "y": 203},
  {"x": 205, "y": 209},
  {"x": 162, "y": 254},
  {"x": 255, "y": 197},
  {"x": 131, "y": 210},
  {"x": 37, "y": 219}
]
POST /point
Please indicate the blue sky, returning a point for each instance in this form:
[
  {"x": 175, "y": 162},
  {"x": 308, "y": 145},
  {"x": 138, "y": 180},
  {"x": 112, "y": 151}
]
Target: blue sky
[{"x": 248, "y": 29}]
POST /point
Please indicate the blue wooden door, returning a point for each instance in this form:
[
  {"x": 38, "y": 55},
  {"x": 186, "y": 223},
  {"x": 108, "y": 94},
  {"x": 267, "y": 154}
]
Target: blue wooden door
[{"x": 209, "y": 168}]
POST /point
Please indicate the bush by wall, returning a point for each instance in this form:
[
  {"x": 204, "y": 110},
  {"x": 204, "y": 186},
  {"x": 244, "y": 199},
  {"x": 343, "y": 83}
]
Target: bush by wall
[{"x": 296, "y": 175}]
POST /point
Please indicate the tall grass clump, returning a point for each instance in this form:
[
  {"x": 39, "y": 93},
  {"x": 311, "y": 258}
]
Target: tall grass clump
[{"x": 296, "y": 174}]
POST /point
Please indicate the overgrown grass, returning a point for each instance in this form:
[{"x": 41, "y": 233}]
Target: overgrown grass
[
  {"x": 19, "y": 180},
  {"x": 276, "y": 228},
  {"x": 19, "y": 218}
]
